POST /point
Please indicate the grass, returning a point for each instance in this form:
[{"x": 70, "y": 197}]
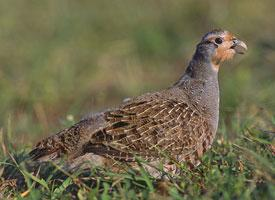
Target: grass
[
  {"x": 61, "y": 60},
  {"x": 238, "y": 169}
]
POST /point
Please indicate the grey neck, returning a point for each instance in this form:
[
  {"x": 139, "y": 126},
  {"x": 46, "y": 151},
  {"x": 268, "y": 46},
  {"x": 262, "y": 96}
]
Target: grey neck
[
  {"x": 200, "y": 68},
  {"x": 200, "y": 80}
]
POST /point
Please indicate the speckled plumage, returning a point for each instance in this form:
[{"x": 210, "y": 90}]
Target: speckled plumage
[{"x": 180, "y": 121}]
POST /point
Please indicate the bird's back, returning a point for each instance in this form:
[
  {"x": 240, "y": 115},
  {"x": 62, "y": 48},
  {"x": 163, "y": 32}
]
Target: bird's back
[{"x": 146, "y": 126}]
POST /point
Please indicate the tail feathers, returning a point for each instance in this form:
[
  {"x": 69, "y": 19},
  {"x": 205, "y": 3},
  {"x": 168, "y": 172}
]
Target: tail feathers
[
  {"x": 64, "y": 142},
  {"x": 49, "y": 148},
  {"x": 43, "y": 154}
]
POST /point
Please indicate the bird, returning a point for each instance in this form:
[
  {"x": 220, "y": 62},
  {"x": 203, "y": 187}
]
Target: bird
[{"x": 180, "y": 121}]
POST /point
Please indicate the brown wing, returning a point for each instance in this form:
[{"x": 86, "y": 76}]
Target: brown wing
[{"x": 145, "y": 128}]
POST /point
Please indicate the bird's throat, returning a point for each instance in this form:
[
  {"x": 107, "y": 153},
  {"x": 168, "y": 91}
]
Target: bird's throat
[{"x": 215, "y": 67}]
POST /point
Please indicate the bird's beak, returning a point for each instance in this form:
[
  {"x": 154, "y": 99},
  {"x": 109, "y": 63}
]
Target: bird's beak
[{"x": 239, "y": 46}]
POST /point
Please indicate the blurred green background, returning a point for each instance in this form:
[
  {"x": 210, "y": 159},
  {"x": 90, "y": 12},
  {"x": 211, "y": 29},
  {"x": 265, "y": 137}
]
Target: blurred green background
[{"x": 63, "y": 59}]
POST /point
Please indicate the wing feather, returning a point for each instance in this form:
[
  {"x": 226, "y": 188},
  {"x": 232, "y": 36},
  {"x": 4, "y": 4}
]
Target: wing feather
[
  {"x": 146, "y": 127},
  {"x": 142, "y": 128}
]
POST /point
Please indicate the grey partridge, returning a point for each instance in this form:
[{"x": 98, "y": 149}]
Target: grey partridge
[{"x": 180, "y": 121}]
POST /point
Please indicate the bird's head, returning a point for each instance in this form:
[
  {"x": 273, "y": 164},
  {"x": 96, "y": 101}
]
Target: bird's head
[{"x": 218, "y": 46}]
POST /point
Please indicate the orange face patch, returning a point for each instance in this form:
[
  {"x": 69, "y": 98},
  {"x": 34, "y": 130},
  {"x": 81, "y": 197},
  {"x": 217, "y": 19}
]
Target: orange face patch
[{"x": 224, "y": 51}]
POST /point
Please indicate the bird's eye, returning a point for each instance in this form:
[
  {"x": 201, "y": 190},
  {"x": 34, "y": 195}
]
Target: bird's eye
[{"x": 218, "y": 40}]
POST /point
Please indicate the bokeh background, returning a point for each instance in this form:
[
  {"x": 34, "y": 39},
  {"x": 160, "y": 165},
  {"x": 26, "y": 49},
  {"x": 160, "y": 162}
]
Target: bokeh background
[{"x": 60, "y": 60}]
